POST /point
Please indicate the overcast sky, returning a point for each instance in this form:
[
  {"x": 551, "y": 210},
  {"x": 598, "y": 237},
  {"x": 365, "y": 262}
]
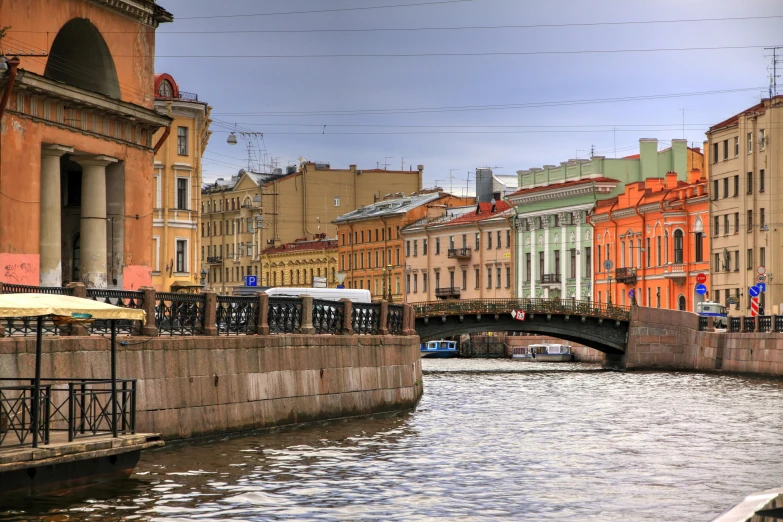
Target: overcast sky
[{"x": 244, "y": 90}]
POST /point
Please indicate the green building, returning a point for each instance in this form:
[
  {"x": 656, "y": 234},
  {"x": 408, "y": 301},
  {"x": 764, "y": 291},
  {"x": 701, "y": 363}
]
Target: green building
[{"x": 555, "y": 240}]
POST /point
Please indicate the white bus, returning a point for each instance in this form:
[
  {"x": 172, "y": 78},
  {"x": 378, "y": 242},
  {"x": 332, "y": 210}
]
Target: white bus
[{"x": 328, "y": 294}]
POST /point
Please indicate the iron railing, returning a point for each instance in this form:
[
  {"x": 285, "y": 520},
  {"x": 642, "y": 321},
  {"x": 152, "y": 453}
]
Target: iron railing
[
  {"x": 122, "y": 299},
  {"x": 748, "y": 324},
  {"x": 366, "y": 318},
  {"x": 735, "y": 324},
  {"x": 625, "y": 275},
  {"x": 778, "y": 323},
  {"x": 529, "y": 305},
  {"x": 448, "y": 291},
  {"x": 703, "y": 321},
  {"x": 394, "y": 319},
  {"x": 765, "y": 323},
  {"x": 179, "y": 314},
  {"x": 16, "y": 414},
  {"x": 285, "y": 315},
  {"x": 328, "y": 316},
  {"x": 549, "y": 279},
  {"x": 237, "y": 315},
  {"x": 459, "y": 253},
  {"x": 26, "y": 326},
  {"x": 214, "y": 260}
]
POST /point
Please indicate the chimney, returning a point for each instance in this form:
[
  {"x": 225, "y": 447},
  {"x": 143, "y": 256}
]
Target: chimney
[
  {"x": 648, "y": 157},
  {"x": 671, "y": 180},
  {"x": 694, "y": 176}
]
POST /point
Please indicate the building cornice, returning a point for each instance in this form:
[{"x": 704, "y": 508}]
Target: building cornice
[
  {"x": 143, "y": 11},
  {"x": 562, "y": 193}
]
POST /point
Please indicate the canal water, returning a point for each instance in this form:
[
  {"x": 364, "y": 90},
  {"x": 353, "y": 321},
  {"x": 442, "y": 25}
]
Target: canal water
[{"x": 491, "y": 440}]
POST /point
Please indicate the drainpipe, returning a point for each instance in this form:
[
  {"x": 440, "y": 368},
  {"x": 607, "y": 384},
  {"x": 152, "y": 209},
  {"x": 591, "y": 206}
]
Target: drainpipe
[
  {"x": 644, "y": 244},
  {"x": 616, "y": 241}
]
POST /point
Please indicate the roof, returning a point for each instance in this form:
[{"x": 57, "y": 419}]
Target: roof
[
  {"x": 259, "y": 178},
  {"x": 483, "y": 211},
  {"x": 555, "y": 186},
  {"x": 389, "y": 207},
  {"x": 34, "y": 305},
  {"x": 510, "y": 181},
  {"x": 734, "y": 119},
  {"x": 299, "y": 246}
]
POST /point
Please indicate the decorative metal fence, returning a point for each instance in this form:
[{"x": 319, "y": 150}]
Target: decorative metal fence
[
  {"x": 328, "y": 316},
  {"x": 394, "y": 321},
  {"x": 16, "y": 414},
  {"x": 778, "y": 323},
  {"x": 179, "y": 314},
  {"x": 748, "y": 324},
  {"x": 703, "y": 321},
  {"x": 26, "y": 326},
  {"x": 285, "y": 315},
  {"x": 529, "y": 305},
  {"x": 765, "y": 323},
  {"x": 735, "y": 324},
  {"x": 237, "y": 315},
  {"x": 366, "y": 318},
  {"x": 121, "y": 298}
]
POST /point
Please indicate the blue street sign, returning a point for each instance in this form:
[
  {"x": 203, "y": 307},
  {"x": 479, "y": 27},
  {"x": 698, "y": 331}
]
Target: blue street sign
[
  {"x": 701, "y": 289},
  {"x": 341, "y": 287},
  {"x": 754, "y": 291},
  {"x": 631, "y": 293},
  {"x": 251, "y": 280},
  {"x": 762, "y": 287}
]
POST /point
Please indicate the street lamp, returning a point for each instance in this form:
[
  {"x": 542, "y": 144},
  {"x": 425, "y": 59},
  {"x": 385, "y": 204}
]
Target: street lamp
[
  {"x": 389, "y": 277},
  {"x": 204, "y": 274}
]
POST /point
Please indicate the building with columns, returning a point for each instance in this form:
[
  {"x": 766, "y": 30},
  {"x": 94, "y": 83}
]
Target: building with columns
[
  {"x": 76, "y": 142},
  {"x": 176, "y": 253},
  {"x": 555, "y": 242}
]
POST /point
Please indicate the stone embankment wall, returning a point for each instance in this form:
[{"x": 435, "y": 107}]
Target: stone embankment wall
[{"x": 196, "y": 386}]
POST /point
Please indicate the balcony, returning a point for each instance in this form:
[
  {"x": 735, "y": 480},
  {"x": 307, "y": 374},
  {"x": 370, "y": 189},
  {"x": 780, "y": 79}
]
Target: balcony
[
  {"x": 215, "y": 260},
  {"x": 625, "y": 275},
  {"x": 449, "y": 292},
  {"x": 676, "y": 271},
  {"x": 550, "y": 279},
  {"x": 459, "y": 253}
]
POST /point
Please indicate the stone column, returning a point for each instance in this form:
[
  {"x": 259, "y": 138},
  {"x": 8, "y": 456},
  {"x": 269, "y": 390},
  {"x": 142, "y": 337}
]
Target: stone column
[
  {"x": 545, "y": 226},
  {"x": 51, "y": 227},
  {"x": 347, "y": 316},
  {"x": 210, "y": 313},
  {"x": 580, "y": 259},
  {"x": 563, "y": 265},
  {"x": 307, "y": 315},
  {"x": 93, "y": 219},
  {"x": 384, "y": 322},
  {"x": 150, "y": 328},
  {"x": 531, "y": 225},
  {"x": 263, "y": 313},
  {"x": 79, "y": 290}
]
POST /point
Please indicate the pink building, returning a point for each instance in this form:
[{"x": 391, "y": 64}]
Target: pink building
[{"x": 461, "y": 254}]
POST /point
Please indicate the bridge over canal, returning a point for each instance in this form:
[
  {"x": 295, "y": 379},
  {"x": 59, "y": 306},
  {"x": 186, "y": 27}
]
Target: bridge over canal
[{"x": 597, "y": 325}]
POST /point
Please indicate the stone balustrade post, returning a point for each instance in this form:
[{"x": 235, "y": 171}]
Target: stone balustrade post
[
  {"x": 150, "y": 328},
  {"x": 307, "y": 315},
  {"x": 384, "y": 321},
  {"x": 407, "y": 319},
  {"x": 210, "y": 313},
  {"x": 79, "y": 290},
  {"x": 756, "y": 324},
  {"x": 263, "y": 313},
  {"x": 347, "y": 316},
  {"x": 710, "y": 324}
]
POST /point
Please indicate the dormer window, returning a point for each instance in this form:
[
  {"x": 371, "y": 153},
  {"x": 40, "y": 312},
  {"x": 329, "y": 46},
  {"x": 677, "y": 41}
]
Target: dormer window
[{"x": 165, "y": 90}]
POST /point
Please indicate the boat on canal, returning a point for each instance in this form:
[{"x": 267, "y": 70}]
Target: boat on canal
[
  {"x": 439, "y": 349},
  {"x": 546, "y": 352}
]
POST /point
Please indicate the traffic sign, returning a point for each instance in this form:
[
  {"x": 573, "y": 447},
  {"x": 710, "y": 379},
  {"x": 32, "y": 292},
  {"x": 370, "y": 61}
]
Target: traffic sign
[
  {"x": 761, "y": 270},
  {"x": 762, "y": 287},
  {"x": 340, "y": 287},
  {"x": 754, "y": 307},
  {"x": 608, "y": 264},
  {"x": 701, "y": 289},
  {"x": 754, "y": 291},
  {"x": 701, "y": 278},
  {"x": 631, "y": 292},
  {"x": 761, "y": 278},
  {"x": 519, "y": 315},
  {"x": 251, "y": 280}
]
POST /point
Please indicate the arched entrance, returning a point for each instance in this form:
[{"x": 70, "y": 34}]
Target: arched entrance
[
  {"x": 682, "y": 303},
  {"x": 80, "y": 57}
]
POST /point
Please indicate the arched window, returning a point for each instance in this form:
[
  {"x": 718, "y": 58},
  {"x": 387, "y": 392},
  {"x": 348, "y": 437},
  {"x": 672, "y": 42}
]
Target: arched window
[
  {"x": 165, "y": 90},
  {"x": 681, "y": 304},
  {"x": 678, "y": 246}
]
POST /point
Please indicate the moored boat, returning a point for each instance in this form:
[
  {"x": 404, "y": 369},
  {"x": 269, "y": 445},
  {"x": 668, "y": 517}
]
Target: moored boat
[
  {"x": 550, "y": 352},
  {"x": 440, "y": 349}
]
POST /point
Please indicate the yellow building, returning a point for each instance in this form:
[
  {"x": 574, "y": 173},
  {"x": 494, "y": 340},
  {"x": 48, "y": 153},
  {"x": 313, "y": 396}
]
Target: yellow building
[
  {"x": 176, "y": 259},
  {"x": 250, "y": 212},
  {"x": 301, "y": 264}
]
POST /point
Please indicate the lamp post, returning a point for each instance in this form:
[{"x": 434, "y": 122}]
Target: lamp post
[
  {"x": 389, "y": 278},
  {"x": 204, "y": 274}
]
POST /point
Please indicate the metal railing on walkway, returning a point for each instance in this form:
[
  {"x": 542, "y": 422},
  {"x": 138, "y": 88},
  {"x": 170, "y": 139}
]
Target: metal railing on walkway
[{"x": 529, "y": 305}]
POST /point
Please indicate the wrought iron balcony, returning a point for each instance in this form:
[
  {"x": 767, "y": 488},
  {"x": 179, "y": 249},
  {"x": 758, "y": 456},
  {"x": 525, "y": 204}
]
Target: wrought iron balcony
[
  {"x": 625, "y": 275},
  {"x": 447, "y": 292},
  {"x": 215, "y": 260},
  {"x": 550, "y": 279},
  {"x": 459, "y": 253}
]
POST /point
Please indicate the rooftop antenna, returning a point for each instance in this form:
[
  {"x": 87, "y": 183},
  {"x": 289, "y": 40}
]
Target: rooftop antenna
[
  {"x": 592, "y": 150},
  {"x": 773, "y": 80},
  {"x": 402, "y": 163},
  {"x": 386, "y": 162},
  {"x": 451, "y": 180},
  {"x": 683, "y": 122},
  {"x": 614, "y": 133}
]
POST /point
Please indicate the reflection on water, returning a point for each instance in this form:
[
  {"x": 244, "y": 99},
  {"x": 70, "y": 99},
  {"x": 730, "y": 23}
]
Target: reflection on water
[{"x": 490, "y": 440}]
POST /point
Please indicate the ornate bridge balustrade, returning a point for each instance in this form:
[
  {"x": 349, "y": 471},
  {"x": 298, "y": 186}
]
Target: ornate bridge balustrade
[{"x": 183, "y": 314}]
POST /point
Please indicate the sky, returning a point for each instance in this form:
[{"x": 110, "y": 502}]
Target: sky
[{"x": 279, "y": 74}]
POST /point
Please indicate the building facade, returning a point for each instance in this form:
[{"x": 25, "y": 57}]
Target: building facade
[
  {"x": 746, "y": 187},
  {"x": 656, "y": 234},
  {"x": 371, "y": 249},
  {"x": 555, "y": 242},
  {"x": 301, "y": 264},
  {"x": 76, "y": 138},
  {"x": 464, "y": 254},
  {"x": 176, "y": 253}
]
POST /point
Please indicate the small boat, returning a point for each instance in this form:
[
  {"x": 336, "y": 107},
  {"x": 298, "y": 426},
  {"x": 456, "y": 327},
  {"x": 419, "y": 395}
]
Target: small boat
[
  {"x": 440, "y": 348},
  {"x": 544, "y": 353}
]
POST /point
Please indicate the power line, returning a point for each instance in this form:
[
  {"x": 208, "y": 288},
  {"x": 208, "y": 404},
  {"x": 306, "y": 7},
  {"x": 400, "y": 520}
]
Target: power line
[
  {"x": 444, "y": 55},
  {"x": 366, "y": 8}
]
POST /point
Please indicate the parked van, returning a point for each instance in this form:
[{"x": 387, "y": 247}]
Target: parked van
[{"x": 329, "y": 294}]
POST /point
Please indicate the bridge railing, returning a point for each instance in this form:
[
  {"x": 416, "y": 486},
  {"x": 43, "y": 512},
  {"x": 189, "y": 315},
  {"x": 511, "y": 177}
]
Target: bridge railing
[{"x": 529, "y": 305}]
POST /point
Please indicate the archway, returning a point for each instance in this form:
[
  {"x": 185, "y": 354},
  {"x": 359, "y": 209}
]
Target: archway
[
  {"x": 682, "y": 303},
  {"x": 80, "y": 57}
]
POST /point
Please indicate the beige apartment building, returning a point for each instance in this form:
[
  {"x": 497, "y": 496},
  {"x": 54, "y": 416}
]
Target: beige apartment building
[
  {"x": 465, "y": 253},
  {"x": 176, "y": 257},
  {"x": 746, "y": 215},
  {"x": 252, "y": 212}
]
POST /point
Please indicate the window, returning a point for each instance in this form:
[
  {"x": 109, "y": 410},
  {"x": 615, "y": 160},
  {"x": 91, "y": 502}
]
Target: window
[
  {"x": 424, "y": 247},
  {"x": 716, "y": 226},
  {"x": 182, "y": 193},
  {"x": 464, "y": 241},
  {"x": 725, "y": 149},
  {"x": 478, "y": 278},
  {"x": 726, "y": 225},
  {"x": 761, "y": 180},
  {"x": 762, "y": 256},
  {"x": 415, "y": 247},
  {"x": 573, "y": 263},
  {"x": 376, "y": 235},
  {"x": 557, "y": 220},
  {"x": 698, "y": 246},
  {"x": 750, "y": 183},
  {"x": 599, "y": 264},
  {"x": 762, "y": 140},
  {"x": 588, "y": 262},
  {"x": 489, "y": 240},
  {"x": 415, "y": 283},
  {"x": 649, "y": 253},
  {"x": 749, "y": 264},
  {"x": 407, "y": 283},
  {"x": 377, "y": 258},
  {"x": 437, "y": 246},
  {"x": 498, "y": 282},
  {"x": 717, "y": 296},
  {"x": 750, "y": 142},
  {"x": 182, "y": 248},
  {"x": 736, "y": 262},
  {"x": 716, "y": 263},
  {"x": 762, "y": 218},
  {"x": 658, "y": 249},
  {"x": 736, "y": 146},
  {"x": 736, "y": 185},
  {"x": 464, "y": 279},
  {"x": 408, "y": 248},
  {"x": 478, "y": 240},
  {"x": 424, "y": 282},
  {"x": 557, "y": 261},
  {"x": 715, "y": 187},
  {"x": 337, "y": 201},
  {"x": 678, "y": 246},
  {"x": 398, "y": 257},
  {"x": 362, "y": 236},
  {"x": 451, "y": 242},
  {"x": 500, "y": 236},
  {"x": 736, "y": 223},
  {"x": 156, "y": 179},
  {"x": 714, "y": 152},
  {"x": 508, "y": 238},
  {"x": 182, "y": 141},
  {"x": 750, "y": 220},
  {"x": 342, "y": 262},
  {"x": 165, "y": 90},
  {"x": 489, "y": 277},
  {"x": 437, "y": 280},
  {"x": 527, "y": 266},
  {"x": 725, "y": 187}
]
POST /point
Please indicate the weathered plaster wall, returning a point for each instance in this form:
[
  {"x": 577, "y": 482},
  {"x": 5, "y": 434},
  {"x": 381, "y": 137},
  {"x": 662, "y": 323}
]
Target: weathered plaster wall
[{"x": 194, "y": 386}]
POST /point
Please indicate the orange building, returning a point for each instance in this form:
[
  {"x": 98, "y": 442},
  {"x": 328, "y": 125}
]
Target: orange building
[
  {"x": 76, "y": 141},
  {"x": 656, "y": 236},
  {"x": 370, "y": 246}
]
